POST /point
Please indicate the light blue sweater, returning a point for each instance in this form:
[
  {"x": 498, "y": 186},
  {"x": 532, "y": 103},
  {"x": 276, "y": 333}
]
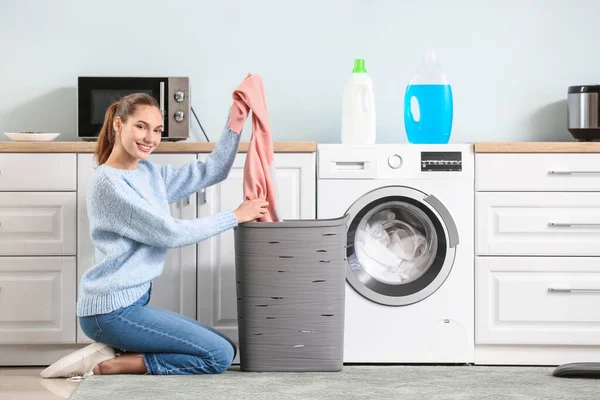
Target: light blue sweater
[{"x": 131, "y": 225}]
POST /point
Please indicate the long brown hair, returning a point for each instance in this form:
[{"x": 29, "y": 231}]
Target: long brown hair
[{"x": 122, "y": 108}]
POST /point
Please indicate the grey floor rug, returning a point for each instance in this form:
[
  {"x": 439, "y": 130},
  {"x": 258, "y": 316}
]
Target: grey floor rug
[{"x": 354, "y": 382}]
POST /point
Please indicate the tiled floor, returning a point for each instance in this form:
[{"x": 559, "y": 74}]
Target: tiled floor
[{"x": 26, "y": 384}]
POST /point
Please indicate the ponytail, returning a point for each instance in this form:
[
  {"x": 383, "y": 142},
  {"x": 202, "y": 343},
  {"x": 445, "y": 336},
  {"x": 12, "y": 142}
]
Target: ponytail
[{"x": 106, "y": 138}]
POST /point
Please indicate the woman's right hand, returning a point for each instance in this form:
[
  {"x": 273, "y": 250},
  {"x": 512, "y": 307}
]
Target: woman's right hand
[{"x": 251, "y": 210}]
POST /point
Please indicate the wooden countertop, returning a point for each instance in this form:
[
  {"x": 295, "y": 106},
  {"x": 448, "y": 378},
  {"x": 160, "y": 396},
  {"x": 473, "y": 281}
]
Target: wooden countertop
[
  {"x": 164, "y": 147},
  {"x": 537, "y": 147},
  {"x": 295, "y": 147}
]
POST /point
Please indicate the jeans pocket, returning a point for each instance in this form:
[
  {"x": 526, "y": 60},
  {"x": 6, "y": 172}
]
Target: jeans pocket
[{"x": 111, "y": 316}]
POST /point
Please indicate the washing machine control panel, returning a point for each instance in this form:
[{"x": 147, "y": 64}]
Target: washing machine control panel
[{"x": 441, "y": 161}]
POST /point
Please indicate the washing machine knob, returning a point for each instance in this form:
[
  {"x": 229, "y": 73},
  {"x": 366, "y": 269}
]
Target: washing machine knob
[{"x": 395, "y": 161}]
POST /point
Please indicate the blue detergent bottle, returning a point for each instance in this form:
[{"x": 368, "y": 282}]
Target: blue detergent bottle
[{"x": 428, "y": 105}]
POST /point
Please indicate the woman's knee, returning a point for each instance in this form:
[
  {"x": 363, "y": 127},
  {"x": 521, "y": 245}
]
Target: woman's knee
[{"x": 223, "y": 357}]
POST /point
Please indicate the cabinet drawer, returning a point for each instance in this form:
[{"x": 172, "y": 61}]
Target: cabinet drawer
[
  {"x": 537, "y": 300},
  {"x": 530, "y": 223},
  {"x": 37, "y": 300},
  {"x": 41, "y": 223},
  {"x": 31, "y": 172},
  {"x": 537, "y": 172}
]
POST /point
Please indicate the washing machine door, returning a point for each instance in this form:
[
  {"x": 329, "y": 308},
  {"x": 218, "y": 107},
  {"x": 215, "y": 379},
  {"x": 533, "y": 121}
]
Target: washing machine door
[{"x": 401, "y": 245}]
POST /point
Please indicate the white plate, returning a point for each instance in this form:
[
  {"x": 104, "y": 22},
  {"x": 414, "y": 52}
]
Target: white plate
[{"x": 32, "y": 137}]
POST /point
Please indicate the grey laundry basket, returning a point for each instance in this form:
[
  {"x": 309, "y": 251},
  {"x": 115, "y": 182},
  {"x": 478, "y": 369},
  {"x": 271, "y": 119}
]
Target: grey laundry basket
[{"x": 290, "y": 284}]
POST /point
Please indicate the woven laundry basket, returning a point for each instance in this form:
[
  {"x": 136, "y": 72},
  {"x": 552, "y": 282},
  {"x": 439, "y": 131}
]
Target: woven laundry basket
[{"x": 290, "y": 284}]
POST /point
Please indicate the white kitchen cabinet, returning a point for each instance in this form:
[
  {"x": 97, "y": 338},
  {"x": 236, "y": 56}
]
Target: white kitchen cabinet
[
  {"x": 37, "y": 223},
  {"x": 296, "y": 191},
  {"x": 175, "y": 289},
  {"x": 45, "y": 248},
  {"x": 37, "y": 300},
  {"x": 537, "y": 268}
]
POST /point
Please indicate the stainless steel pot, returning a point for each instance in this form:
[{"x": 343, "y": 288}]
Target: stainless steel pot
[{"x": 582, "y": 102}]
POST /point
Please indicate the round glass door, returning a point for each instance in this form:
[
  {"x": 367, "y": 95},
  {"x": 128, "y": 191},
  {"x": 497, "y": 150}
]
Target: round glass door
[{"x": 400, "y": 245}]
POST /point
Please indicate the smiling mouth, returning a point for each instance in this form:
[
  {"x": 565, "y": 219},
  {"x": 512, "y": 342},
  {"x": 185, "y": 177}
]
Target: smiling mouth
[{"x": 144, "y": 148}]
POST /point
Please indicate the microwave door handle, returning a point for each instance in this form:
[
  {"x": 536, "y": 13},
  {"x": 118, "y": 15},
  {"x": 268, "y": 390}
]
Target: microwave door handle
[{"x": 162, "y": 98}]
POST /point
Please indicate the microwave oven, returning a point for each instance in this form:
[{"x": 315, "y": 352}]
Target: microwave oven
[{"x": 95, "y": 94}]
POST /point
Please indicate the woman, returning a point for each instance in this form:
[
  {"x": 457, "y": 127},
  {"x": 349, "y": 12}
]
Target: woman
[{"x": 131, "y": 228}]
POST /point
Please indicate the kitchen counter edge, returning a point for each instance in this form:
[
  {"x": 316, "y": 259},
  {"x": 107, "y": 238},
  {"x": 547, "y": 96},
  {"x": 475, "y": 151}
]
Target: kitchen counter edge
[{"x": 296, "y": 147}]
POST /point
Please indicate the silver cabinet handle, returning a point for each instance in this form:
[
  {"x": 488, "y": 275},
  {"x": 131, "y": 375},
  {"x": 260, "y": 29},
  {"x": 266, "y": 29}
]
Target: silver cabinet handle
[
  {"x": 558, "y": 290},
  {"x": 183, "y": 202},
  {"x": 573, "y": 172},
  {"x": 202, "y": 197},
  {"x": 575, "y": 225}
]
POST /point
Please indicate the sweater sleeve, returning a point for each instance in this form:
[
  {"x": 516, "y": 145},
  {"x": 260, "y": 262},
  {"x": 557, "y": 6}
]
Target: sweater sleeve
[
  {"x": 117, "y": 210},
  {"x": 181, "y": 181}
]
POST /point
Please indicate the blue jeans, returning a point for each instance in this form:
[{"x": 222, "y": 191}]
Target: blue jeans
[{"x": 171, "y": 343}]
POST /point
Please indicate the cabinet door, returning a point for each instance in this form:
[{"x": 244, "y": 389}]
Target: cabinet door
[
  {"x": 37, "y": 300},
  {"x": 537, "y": 300},
  {"x": 295, "y": 175},
  {"x": 536, "y": 223},
  {"x": 37, "y": 223},
  {"x": 175, "y": 289},
  {"x": 39, "y": 172},
  {"x": 550, "y": 172}
]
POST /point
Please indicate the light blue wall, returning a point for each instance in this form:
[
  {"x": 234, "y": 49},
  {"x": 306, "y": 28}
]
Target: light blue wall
[{"x": 510, "y": 61}]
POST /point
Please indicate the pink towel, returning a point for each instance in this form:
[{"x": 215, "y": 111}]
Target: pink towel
[{"x": 259, "y": 172}]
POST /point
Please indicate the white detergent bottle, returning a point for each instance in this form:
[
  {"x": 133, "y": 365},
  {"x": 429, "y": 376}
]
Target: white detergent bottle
[{"x": 358, "y": 107}]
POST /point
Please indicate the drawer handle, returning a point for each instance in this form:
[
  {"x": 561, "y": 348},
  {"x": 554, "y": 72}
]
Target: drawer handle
[
  {"x": 569, "y": 225},
  {"x": 556, "y": 290},
  {"x": 573, "y": 172},
  {"x": 350, "y": 165}
]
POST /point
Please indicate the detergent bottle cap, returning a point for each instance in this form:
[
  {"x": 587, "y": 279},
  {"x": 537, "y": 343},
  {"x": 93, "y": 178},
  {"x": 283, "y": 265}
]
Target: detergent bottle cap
[
  {"x": 430, "y": 71},
  {"x": 359, "y": 66},
  {"x": 430, "y": 56}
]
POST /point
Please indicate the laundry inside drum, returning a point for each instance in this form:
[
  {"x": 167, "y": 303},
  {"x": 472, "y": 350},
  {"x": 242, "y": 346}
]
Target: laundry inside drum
[{"x": 396, "y": 242}]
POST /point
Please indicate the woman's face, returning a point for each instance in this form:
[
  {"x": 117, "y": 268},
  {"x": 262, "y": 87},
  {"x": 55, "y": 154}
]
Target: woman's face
[{"x": 141, "y": 133}]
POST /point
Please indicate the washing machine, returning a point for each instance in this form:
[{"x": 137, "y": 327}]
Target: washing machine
[{"x": 410, "y": 251}]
